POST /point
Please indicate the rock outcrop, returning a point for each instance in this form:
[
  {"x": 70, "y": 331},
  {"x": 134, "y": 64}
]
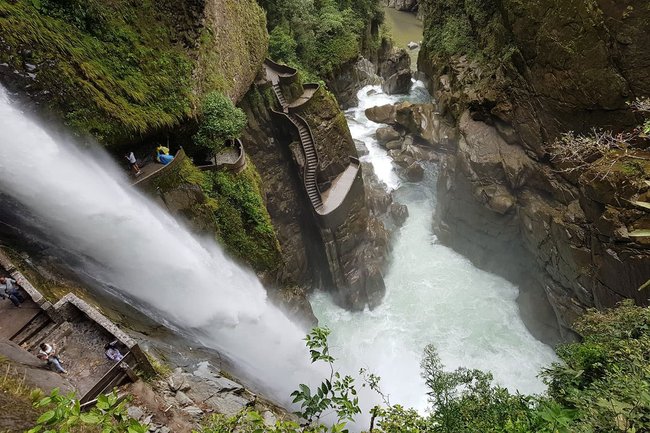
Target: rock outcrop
[
  {"x": 546, "y": 68},
  {"x": 403, "y": 5}
]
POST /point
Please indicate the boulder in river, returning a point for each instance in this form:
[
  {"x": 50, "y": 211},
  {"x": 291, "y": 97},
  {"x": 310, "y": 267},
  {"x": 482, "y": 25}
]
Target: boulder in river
[
  {"x": 399, "y": 213},
  {"x": 382, "y": 114},
  {"x": 414, "y": 172},
  {"x": 394, "y": 145},
  {"x": 386, "y": 134},
  {"x": 398, "y": 83}
]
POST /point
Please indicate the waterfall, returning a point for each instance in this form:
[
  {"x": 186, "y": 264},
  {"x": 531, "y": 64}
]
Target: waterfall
[{"x": 123, "y": 239}]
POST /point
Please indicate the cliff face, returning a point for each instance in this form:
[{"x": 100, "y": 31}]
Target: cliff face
[
  {"x": 348, "y": 258},
  {"x": 515, "y": 75},
  {"x": 119, "y": 70}
]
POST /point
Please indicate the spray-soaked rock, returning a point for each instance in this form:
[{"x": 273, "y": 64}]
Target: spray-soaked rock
[{"x": 399, "y": 213}]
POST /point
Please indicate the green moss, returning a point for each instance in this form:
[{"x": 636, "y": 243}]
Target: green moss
[
  {"x": 235, "y": 205},
  {"x": 111, "y": 67},
  {"x": 245, "y": 225},
  {"x": 230, "y": 57}
]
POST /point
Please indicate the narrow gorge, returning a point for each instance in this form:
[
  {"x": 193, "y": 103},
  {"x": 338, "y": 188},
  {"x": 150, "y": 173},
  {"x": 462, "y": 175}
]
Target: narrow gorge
[{"x": 450, "y": 198}]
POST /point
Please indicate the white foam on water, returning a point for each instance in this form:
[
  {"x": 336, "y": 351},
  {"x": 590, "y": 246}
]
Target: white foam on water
[{"x": 434, "y": 295}]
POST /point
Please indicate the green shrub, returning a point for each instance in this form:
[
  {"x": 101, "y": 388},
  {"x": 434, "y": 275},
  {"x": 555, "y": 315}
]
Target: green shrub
[
  {"x": 220, "y": 121},
  {"x": 63, "y": 415},
  {"x": 282, "y": 46},
  {"x": 245, "y": 226}
]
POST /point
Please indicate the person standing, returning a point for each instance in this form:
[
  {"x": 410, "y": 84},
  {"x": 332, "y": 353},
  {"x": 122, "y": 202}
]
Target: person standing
[
  {"x": 48, "y": 354},
  {"x": 11, "y": 291},
  {"x": 133, "y": 162}
]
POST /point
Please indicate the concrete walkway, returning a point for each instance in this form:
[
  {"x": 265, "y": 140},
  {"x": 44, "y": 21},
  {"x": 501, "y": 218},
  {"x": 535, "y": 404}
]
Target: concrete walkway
[
  {"x": 336, "y": 194},
  {"x": 12, "y": 319},
  {"x": 305, "y": 97}
]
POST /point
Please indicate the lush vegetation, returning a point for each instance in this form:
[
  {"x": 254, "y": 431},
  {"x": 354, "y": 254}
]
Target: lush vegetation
[
  {"x": 233, "y": 208},
  {"x": 220, "y": 121},
  {"x": 464, "y": 27},
  {"x": 602, "y": 386},
  {"x": 110, "y": 67},
  {"x": 245, "y": 226},
  {"x": 319, "y": 36},
  {"x": 63, "y": 415}
]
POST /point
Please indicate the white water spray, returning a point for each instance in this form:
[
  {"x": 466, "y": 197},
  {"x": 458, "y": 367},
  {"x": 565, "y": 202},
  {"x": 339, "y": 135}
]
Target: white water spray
[
  {"x": 150, "y": 260},
  {"x": 433, "y": 295}
]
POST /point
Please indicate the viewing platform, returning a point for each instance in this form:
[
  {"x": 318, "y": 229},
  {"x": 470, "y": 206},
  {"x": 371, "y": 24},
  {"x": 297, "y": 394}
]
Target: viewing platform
[
  {"x": 231, "y": 158},
  {"x": 155, "y": 170},
  {"x": 78, "y": 330}
]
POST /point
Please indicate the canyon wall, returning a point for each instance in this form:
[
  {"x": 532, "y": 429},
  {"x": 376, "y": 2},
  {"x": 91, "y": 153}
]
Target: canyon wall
[{"x": 514, "y": 76}]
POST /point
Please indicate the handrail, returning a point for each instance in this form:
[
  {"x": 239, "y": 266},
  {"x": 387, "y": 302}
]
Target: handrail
[
  {"x": 236, "y": 166},
  {"x": 180, "y": 155},
  {"x": 285, "y": 69},
  {"x": 314, "y": 169},
  {"x": 106, "y": 379},
  {"x": 330, "y": 217}
]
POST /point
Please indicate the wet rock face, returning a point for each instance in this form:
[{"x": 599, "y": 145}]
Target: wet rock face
[
  {"x": 563, "y": 244},
  {"x": 395, "y": 69},
  {"x": 347, "y": 83},
  {"x": 566, "y": 66},
  {"x": 347, "y": 259},
  {"x": 398, "y": 83}
]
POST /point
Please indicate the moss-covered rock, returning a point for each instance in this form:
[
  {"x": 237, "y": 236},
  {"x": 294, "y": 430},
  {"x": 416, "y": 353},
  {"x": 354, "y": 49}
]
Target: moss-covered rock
[
  {"x": 119, "y": 70},
  {"x": 228, "y": 205},
  {"x": 544, "y": 67},
  {"x": 332, "y": 136}
]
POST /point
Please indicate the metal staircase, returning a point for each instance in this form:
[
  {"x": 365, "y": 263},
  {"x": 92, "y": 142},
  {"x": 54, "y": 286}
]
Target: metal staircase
[
  {"x": 308, "y": 147},
  {"x": 280, "y": 96},
  {"x": 311, "y": 160}
]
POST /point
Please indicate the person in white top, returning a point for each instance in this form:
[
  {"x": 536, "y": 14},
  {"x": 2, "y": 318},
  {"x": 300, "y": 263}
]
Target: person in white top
[
  {"x": 10, "y": 289},
  {"x": 48, "y": 354},
  {"x": 133, "y": 162}
]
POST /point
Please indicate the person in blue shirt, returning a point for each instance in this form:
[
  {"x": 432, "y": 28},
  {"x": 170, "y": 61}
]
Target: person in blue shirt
[{"x": 9, "y": 289}]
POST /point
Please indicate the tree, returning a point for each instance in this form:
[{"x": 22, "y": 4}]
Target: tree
[{"x": 220, "y": 121}]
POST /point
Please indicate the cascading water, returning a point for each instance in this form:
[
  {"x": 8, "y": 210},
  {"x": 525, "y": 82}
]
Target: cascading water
[
  {"x": 433, "y": 295},
  {"x": 146, "y": 257}
]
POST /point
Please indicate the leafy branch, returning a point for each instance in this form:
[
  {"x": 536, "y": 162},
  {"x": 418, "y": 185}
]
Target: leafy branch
[{"x": 336, "y": 393}]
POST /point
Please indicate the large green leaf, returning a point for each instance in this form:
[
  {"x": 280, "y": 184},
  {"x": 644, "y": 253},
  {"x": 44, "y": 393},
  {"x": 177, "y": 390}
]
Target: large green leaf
[{"x": 46, "y": 417}]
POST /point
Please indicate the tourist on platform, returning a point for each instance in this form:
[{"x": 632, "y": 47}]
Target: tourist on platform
[
  {"x": 9, "y": 289},
  {"x": 48, "y": 354},
  {"x": 133, "y": 163},
  {"x": 112, "y": 352},
  {"x": 163, "y": 156}
]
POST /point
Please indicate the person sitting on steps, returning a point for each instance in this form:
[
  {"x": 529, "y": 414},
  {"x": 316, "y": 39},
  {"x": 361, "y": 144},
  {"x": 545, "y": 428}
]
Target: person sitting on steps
[
  {"x": 48, "y": 354},
  {"x": 112, "y": 352},
  {"x": 11, "y": 291}
]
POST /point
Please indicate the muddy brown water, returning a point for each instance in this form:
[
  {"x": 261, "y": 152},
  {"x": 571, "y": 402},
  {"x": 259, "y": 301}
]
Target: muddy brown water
[{"x": 404, "y": 27}]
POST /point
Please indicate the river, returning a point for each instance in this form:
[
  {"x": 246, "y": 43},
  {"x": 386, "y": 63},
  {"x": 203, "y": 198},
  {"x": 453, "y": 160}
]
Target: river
[
  {"x": 433, "y": 295},
  {"x": 404, "y": 27}
]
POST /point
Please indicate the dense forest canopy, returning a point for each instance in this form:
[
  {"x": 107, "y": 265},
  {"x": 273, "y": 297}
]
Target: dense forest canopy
[{"x": 320, "y": 35}]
